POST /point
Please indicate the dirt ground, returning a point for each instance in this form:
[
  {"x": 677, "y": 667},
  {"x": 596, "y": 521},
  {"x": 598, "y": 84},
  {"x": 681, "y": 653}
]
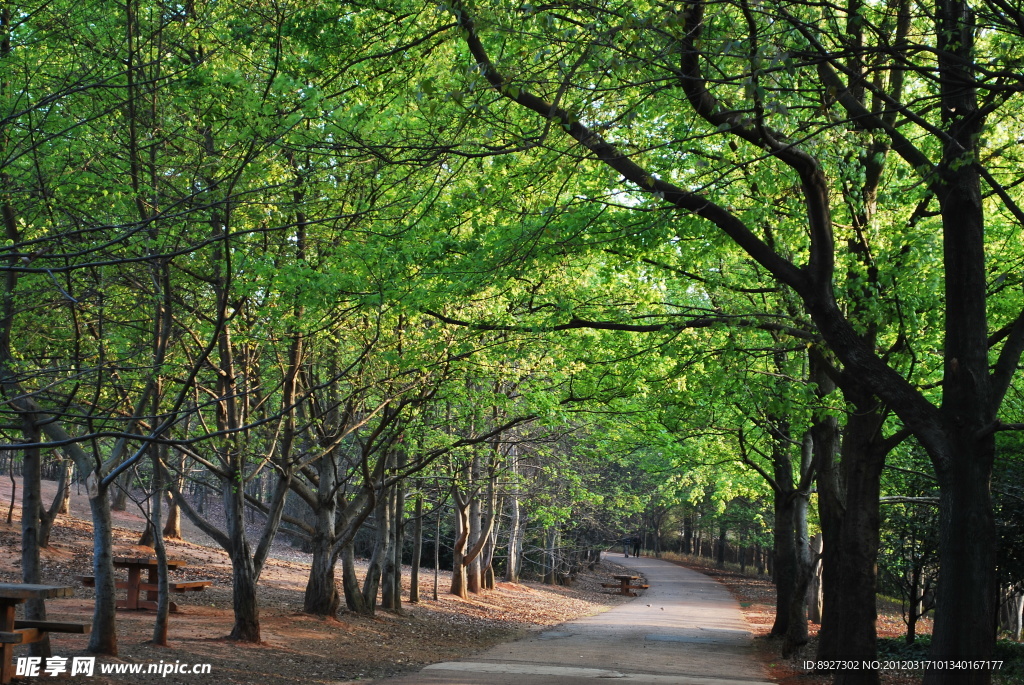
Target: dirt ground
[{"x": 296, "y": 648}]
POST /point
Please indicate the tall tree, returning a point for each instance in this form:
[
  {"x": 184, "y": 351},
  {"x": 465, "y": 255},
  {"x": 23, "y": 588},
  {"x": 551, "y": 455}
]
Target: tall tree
[{"x": 772, "y": 104}]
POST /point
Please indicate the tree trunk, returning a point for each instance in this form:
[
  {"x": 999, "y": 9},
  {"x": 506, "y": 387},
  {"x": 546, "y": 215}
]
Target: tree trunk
[
  {"x": 163, "y": 595},
  {"x": 31, "y": 518},
  {"x": 914, "y": 605},
  {"x": 515, "y": 539},
  {"x": 460, "y": 507},
  {"x": 785, "y": 554},
  {"x": 398, "y": 547},
  {"x": 61, "y": 504},
  {"x": 848, "y": 503},
  {"x": 796, "y": 632},
  {"x": 966, "y": 593},
  {"x": 688, "y": 534},
  {"x": 103, "y": 638},
  {"x": 550, "y": 551},
  {"x": 1017, "y": 623},
  {"x": 350, "y": 582},
  {"x": 120, "y": 491},
  {"x": 321, "y": 597},
  {"x": 417, "y": 550},
  {"x": 475, "y": 526},
  {"x": 243, "y": 571},
  {"x": 814, "y": 586},
  {"x": 172, "y": 529},
  {"x": 381, "y": 551},
  {"x": 391, "y": 583},
  {"x": 831, "y": 503},
  {"x": 491, "y": 537}
]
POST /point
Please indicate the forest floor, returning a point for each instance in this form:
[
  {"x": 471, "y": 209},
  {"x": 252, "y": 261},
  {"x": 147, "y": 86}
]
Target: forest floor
[{"x": 297, "y": 648}]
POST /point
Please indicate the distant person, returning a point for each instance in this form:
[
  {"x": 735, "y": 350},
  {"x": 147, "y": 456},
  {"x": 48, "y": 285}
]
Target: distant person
[
  {"x": 636, "y": 546},
  {"x": 625, "y": 547}
]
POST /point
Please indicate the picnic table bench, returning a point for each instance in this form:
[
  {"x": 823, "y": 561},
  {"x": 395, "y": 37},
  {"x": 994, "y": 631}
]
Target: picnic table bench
[
  {"x": 625, "y": 585},
  {"x": 26, "y": 631},
  {"x": 134, "y": 585}
]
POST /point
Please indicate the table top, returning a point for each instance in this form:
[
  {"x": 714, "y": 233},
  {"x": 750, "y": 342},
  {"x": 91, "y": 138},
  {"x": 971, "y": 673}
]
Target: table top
[
  {"x": 625, "y": 577},
  {"x": 29, "y": 591},
  {"x": 148, "y": 562}
]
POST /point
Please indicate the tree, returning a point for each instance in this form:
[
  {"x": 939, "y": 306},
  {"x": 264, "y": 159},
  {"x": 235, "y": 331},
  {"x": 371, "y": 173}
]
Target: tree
[{"x": 772, "y": 103}]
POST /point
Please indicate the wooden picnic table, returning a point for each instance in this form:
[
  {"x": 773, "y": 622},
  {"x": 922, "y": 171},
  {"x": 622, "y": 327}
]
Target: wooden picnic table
[
  {"x": 625, "y": 585},
  {"x": 23, "y": 632},
  {"x": 135, "y": 566},
  {"x": 135, "y": 586}
]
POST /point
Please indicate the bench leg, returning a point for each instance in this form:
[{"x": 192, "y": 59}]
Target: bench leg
[
  {"x": 134, "y": 580},
  {"x": 140, "y": 604},
  {"x": 6, "y": 650},
  {"x": 154, "y": 578}
]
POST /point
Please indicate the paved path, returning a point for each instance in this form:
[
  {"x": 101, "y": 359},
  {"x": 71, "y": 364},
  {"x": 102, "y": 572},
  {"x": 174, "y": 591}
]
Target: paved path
[{"x": 685, "y": 630}]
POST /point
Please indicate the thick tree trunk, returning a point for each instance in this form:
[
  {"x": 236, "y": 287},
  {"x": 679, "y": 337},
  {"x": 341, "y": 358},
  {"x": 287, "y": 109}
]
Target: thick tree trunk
[
  {"x": 381, "y": 551},
  {"x": 796, "y": 632},
  {"x": 862, "y": 458},
  {"x": 321, "y": 597},
  {"x": 964, "y": 451},
  {"x": 243, "y": 570},
  {"x": 172, "y": 528},
  {"x": 243, "y": 595},
  {"x": 966, "y": 593},
  {"x": 785, "y": 568},
  {"x": 103, "y": 638},
  {"x": 350, "y": 582}
]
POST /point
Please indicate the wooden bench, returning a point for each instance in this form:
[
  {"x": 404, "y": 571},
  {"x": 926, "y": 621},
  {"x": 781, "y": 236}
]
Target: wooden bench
[
  {"x": 625, "y": 585},
  {"x": 23, "y": 632},
  {"x": 631, "y": 587},
  {"x": 135, "y": 586},
  {"x": 172, "y": 585},
  {"x": 26, "y": 632}
]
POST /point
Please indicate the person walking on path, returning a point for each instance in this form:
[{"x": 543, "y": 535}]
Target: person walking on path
[
  {"x": 625, "y": 547},
  {"x": 636, "y": 546}
]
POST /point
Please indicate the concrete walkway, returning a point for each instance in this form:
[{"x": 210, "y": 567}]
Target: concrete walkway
[{"x": 685, "y": 630}]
